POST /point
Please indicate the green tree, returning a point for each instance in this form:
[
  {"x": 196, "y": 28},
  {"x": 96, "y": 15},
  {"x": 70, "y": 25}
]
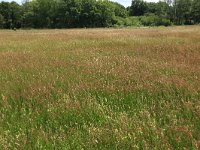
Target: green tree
[
  {"x": 28, "y": 17},
  {"x": 161, "y": 9},
  {"x": 119, "y": 10},
  {"x": 68, "y": 13},
  {"x": 138, "y": 8},
  {"x": 5, "y": 11},
  {"x": 195, "y": 12},
  {"x": 152, "y": 8},
  {"x": 38, "y": 13},
  {"x": 105, "y": 14},
  {"x": 88, "y": 13},
  {"x": 92, "y": 13},
  {"x": 1, "y": 21},
  {"x": 11, "y": 13},
  {"x": 183, "y": 11},
  {"x": 15, "y": 15}
]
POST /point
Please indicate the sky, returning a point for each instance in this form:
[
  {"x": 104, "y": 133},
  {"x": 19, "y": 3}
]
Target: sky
[
  {"x": 128, "y": 2},
  {"x": 123, "y": 2}
]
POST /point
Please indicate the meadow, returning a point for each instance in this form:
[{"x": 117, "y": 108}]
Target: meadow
[{"x": 100, "y": 88}]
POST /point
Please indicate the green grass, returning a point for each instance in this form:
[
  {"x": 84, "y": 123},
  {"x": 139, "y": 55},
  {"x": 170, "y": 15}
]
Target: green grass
[{"x": 100, "y": 89}]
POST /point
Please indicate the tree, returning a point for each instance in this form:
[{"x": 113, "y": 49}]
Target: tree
[
  {"x": 183, "y": 11},
  {"x": 15, "y": 15},
  {"x": 195, "y": 11},
  {"x": 119, "y": 10},
  {"x": 88, "y": 13},
  {"x": 95, "y": 13},
  {"x": 67, "y": 13},
  {"x": 161, "y": 9},
  {"x": 138, "y": 8},
  {"x": 1, "y": 21},
  {"x": 28, "y": 17},
  {"x": 105, "y": 14},
  {"x": 6, "y": 13},
  {"x": 11, "y": 13},
  {"x": 152, "y": 8}
]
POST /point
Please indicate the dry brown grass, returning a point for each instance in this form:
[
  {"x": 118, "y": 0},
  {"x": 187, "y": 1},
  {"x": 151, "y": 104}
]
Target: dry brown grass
[{"x": 107, "y": 88}]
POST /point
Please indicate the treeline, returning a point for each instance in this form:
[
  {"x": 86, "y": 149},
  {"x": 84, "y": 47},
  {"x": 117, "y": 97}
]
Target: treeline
[
  {"x": 97, "y": 13},
  {"x": 176, "y": 11}
]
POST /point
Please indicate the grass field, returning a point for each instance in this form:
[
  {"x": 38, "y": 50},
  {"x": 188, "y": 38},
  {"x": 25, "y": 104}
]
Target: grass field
[{"x": 100, "y": 88}]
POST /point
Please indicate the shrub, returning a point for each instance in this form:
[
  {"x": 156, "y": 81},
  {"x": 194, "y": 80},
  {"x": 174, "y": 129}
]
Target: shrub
[
  {"x": 132, "y": 21},
  {"x": 165, "y": 22},
  {"x": 154, "y": 20},
  {"x": 129, "y": 21}
]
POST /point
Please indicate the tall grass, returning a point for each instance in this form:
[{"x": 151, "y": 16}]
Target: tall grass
[{"x": 100, "y": 89}]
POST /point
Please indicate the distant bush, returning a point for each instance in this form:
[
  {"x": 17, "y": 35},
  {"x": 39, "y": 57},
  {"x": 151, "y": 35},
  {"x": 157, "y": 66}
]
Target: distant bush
[
  {"x": 129, "y": 21},
  {"x": 132, "y": 21},
  {"x": 147, "y": 20},
  {"x": 164, "y": 22},
  {"x": 119, "y": 22},
  {"x": 154, "y": 20}
]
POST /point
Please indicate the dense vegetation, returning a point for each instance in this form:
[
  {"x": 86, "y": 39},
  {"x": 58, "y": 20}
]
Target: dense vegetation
[{"x": 93, "y": 13}]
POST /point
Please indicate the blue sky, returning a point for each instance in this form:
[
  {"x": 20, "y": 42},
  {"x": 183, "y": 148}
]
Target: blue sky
[{"x": 123, "y": 2}]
